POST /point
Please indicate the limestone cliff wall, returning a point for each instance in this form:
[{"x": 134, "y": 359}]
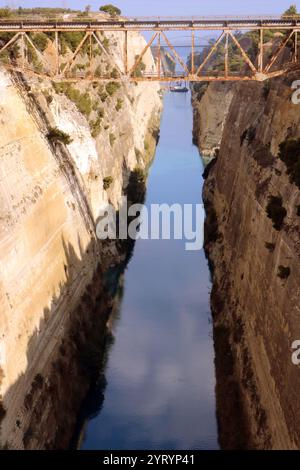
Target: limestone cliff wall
[
  {"x": 255, "y": 311},
  {"x": 211, "y": 104},
  {"x": 52, "y": 267}
]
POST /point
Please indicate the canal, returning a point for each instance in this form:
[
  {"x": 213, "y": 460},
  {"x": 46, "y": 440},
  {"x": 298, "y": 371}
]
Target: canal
[{"x": 159, "y": 374}]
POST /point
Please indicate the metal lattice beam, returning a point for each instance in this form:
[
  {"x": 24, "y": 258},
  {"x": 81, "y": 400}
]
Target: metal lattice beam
[{"x": 128, "y": 71}]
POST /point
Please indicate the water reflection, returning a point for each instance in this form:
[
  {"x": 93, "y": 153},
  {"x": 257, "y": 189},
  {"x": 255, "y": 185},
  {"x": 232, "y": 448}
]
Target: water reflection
[{"x": 159, "y": 386}]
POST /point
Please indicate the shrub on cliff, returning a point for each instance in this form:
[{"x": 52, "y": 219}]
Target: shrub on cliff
[
  {"x": 136, "y": 188},
  {"x": 289, "y": 153},
  {"x": 111, "y": 10},
  {"x": 276, "y": 212},
  {"x": 270, "y": 246},
  {"x": 119, "y": 104},
  {"x": 5, "y": 12},
  {"x": 283, "y": 272},
  {"x": 112, "y": 139},
  {"x": 55, "y": 135},
  {"x": 70, "y": 40},
  {"x": 112, "y": 87},
  {"x": 40, "y": 41},
  {"x": 140, "y": 68},
  {"x": 107, "y": 181}
]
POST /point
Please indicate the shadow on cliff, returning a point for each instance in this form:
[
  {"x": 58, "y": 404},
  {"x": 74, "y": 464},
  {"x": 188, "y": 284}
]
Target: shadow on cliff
[{"x": 67, "y": 353}]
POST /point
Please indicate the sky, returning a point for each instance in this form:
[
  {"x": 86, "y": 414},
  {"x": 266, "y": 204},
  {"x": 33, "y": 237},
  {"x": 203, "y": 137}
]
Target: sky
[{"x": 169, "y": 7}]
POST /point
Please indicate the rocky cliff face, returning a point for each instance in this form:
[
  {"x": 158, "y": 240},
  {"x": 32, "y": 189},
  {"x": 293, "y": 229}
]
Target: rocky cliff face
[
  {"x": 255, "y": 266},
  {"x": 211, "y": 105},
  {"x": 54, "y": 304}
]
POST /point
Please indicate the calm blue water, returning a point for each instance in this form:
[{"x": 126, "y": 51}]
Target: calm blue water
[{"x": 160, "y": 369}]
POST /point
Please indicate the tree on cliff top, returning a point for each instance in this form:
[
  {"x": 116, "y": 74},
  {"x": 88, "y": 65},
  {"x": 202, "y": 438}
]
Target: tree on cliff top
[
  {"x": 291, "y": 11},
  {"x": 111, "y": 10}
]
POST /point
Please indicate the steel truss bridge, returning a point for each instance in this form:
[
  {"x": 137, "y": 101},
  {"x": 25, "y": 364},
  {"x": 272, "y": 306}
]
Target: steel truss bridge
[{"x": 281, "y": 55}]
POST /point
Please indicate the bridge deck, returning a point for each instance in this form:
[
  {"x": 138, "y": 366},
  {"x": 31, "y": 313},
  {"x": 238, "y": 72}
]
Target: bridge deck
[{"x": 144, "y": 25}]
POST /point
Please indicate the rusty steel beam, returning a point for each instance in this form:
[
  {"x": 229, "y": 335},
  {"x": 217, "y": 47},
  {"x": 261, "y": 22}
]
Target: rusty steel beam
[
  {"x": 193, "y": 54},
  {"x": 159, "y": 56},
  {"x": 126, "y": 53},
  {"x": 139, "y": 59},
  {"x": 179, "y": 78},
  {"x": 71, "y": 60},
  {"x": 279, "y": 50},
  {"x": 226, "y": 65},
  {"x": 91, "y": 32},
  {"x": 213, "y": 49},
  {"x": 109, "y": 58},
  {"x": 39, "y": 54},
  {"x": 176, "y": 55},
  {"x": 22, "y": 50},
  {"x": 261, "y": 51},
  {"x": 11, "y": 41},
  {"x": 56, "y": 42},
  {"x": 244, "y": 54}
]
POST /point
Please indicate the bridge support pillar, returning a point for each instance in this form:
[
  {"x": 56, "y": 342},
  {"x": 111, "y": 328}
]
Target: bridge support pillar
[
  {"x": 261, "y": 51},
  {"x": 126, "y": 52}
]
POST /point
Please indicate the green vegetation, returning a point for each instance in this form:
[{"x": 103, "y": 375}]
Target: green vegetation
[
  {"x": 119, "y": 104},
  {"x": 98, "y": 71},
  {"x": 137, "y": 185},
  {"x": 270, "y": 246},
  {"x": 289, "y": 153},
  {"x": 292, "y": 10},
  {"x": 112, "y": 87},
  {"x": 138, "y": 153},
  {"x": 4, "y": 57},
  {"x": 276, "y": 212},
  {"x": 200, "y": 88},
  {"x": 55, "y": 135},
  {"x": 40, "y": 40},
  {"x": 107, "y": 181},
  {"x": 112, "y": 138},
  {"x": 82, "y": 100},
  {"x": 33, "y": 58},
  {"x": 105, "y": 43},
  {"x": 114, "y": 73},
  {"x": 141, "y": 67},
  {"x": 70, "y": 40},
  {"x": 95, "y": 125},
  {"x": 283, "y": 272},
  {"x": 103, "y": 96},
  {"x": 5, "y": 12},
  {"x": 111, "y": 10}
]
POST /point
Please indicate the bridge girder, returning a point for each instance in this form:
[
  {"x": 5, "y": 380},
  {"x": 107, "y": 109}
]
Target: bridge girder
[{"x": 62, "y": 72}]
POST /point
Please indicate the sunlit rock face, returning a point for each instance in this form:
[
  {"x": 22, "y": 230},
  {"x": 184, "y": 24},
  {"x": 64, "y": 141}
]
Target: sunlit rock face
[
  {"x": 255, "y": 309},
  {"x": 211, "y": 105},
  {"x": 52, "y": 266}
]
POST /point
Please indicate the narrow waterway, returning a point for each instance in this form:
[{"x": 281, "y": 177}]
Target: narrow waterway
[{"x": 159, "y": 391}]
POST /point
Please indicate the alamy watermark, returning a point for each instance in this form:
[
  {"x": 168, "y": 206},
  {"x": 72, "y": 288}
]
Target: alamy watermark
[
  {"x": 296, "y": 95},
  {"x": 296, "y": 354},
  {"x": 153, "y": 222}
]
